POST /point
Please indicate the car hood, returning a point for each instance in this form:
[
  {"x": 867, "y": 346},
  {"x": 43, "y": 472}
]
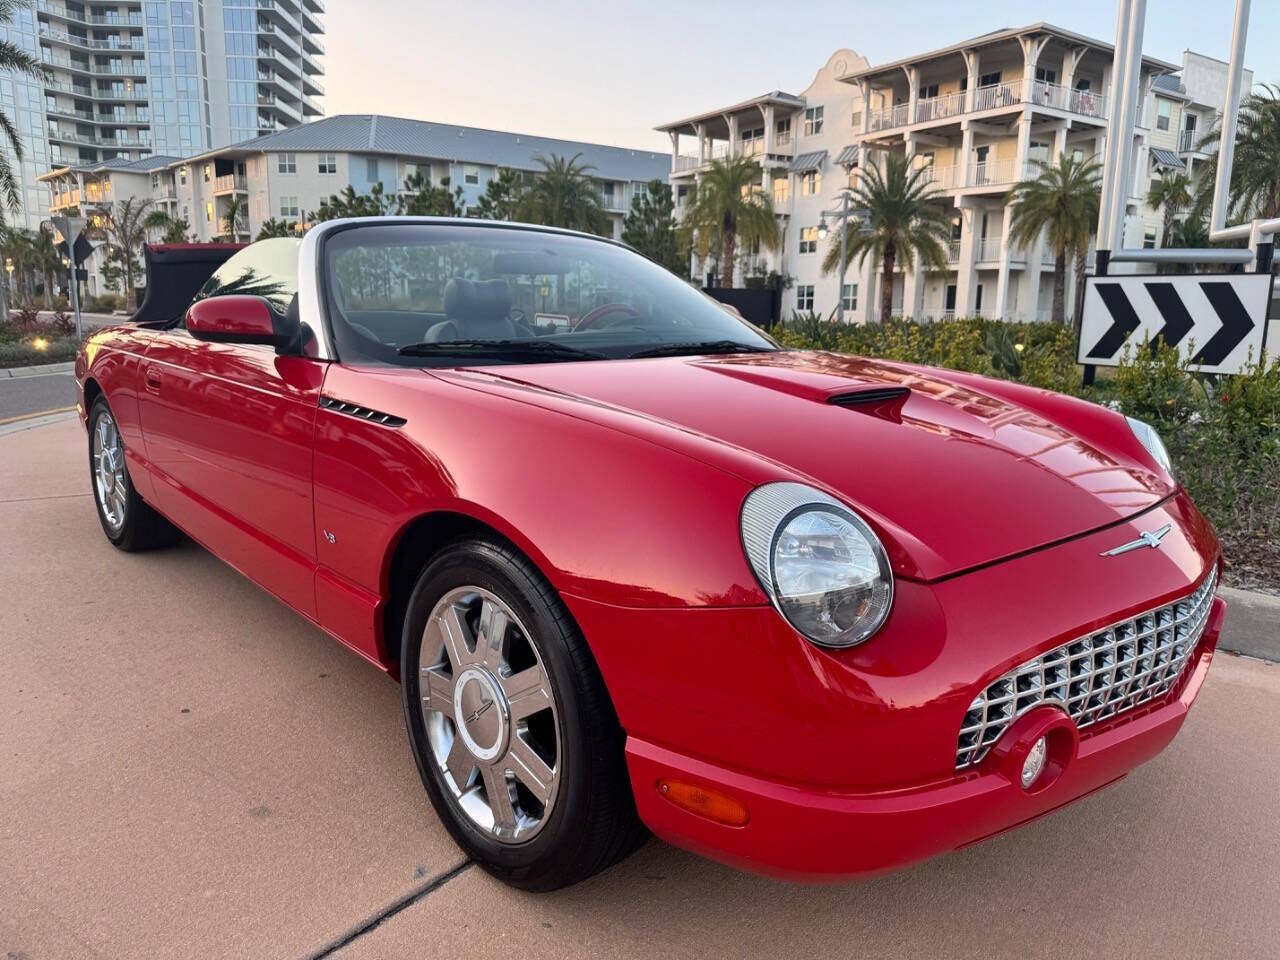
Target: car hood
[{"x": 958, "y": 477}]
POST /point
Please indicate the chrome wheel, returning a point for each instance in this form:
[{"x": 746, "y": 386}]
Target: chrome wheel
[
  {"x": 109, "y": 482},
  {"x": 490, "y": 714}
]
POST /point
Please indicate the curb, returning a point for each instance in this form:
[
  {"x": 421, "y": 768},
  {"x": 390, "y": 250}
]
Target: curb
[
  {"x": 38, "y": 420},
  {"x": 1252, "y": 626},
  {"x": 40, "y": 370}
]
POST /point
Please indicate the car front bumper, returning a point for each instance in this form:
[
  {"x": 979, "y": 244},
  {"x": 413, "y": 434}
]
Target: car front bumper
[
  {"x": 824, "y": 833},
  {"x": 846, "y": 760}
]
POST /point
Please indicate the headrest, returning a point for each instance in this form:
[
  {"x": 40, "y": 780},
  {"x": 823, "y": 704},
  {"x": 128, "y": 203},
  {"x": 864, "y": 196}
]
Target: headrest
[{"x": 477, "y": 301}]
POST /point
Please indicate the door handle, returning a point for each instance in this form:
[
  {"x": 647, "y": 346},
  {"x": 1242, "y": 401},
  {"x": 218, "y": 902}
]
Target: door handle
[{"x": 151, "y": 376}]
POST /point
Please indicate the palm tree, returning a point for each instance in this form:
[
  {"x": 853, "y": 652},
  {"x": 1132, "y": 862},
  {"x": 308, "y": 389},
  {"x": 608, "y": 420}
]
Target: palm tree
[
  {"x": 1170, "y": 195},
  {"x": 729, "y": 206},
  {"x": 1255, "y": 165},
  {"x": 903, "y": 222},
  {"x": 172, "y": 229},
  {"x": 276, "y": 228},
  {"x": 564, "y": 195},
  {"x": 233, "y": 221},
  {"x": 1063, "y": 200},
  {"x": 13, "y": 60},
  {"x": 47, "y": 261},
  {"x": 125, "y": 229}
]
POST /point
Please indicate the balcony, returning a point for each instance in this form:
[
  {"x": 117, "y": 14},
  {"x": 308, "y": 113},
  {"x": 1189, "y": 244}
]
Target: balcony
[
  {"x": 993, "y": 96},
  {"x": 115, "y": 43},
  {"x": 986, "y": 250},
  {"x": 993, "y": 173},
  {"x": 953, "y": 251},
  {"x": 1187, "y": 140},
  {"x": 941, "y": 178},
  {"x": 229, "y": 183}
]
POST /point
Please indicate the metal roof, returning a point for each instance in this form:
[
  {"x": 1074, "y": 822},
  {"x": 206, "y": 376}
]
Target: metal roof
[
  {"x": 848, "y": 157},
  {"x": 777, "y": 97},
  {"x": 995, "y": 36},
  {"x": 145, "y": 165},
  {"x": 808, "y": 161},
  {"x": 402, "y": 137},
  {"x": 1168, "y": 83},
  {"x": 1167, "y": 158}
]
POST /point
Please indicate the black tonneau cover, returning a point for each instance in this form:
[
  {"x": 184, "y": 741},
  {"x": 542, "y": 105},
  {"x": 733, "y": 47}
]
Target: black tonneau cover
[{"x": 175, "y": 271}]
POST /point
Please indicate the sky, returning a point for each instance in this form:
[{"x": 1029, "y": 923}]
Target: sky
[{"x": 609, "y": 73}]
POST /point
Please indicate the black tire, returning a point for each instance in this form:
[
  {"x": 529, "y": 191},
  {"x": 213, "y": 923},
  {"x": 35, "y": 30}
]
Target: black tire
[
  {"x": 143, "y": 528},
  {"x": 593, "y": 822}
]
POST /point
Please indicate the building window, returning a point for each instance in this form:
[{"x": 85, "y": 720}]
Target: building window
[
  {"x": 208, "y": 212},
  {"x": 810, "y": 183},
  {"x": 781, "y": 191},
  {"x": 1149, "y": 238},
  {"x": 371, "y": 169},
  {"x": 1164, "y": 111},
  {"x": 471, "y": 175},
  {"x": 812, "y": 121},
  {"x": 328, "y": 163},
  {"x": 928, "y": 91},
  {"x": 849, "y": 294},
  {"x": 208, "y": 172},
  {"x": 289, "y": 207},
  {"x": 804, "y": 296},
  {"x": 287, "y": 163},
  {"x": 1044, "y": 75},
  {"x": 808, "y": 239},
  {"x": 989, "y": 79},
  {"x": 855, "y": 120},
  {"x": 782, "y": 131}
]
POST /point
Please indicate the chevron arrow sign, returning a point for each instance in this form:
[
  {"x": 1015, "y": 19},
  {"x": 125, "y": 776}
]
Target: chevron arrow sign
[{"x": 1218, "y": 320}]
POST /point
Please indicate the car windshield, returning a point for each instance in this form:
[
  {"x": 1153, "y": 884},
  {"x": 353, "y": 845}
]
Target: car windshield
[{"x": 467, "y": 294}]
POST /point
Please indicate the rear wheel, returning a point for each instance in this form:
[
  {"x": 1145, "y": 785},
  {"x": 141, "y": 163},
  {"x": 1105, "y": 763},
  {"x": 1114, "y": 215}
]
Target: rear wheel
[
  {"x": 510, "y": 723},
  {"x": 128, "y": 521}
]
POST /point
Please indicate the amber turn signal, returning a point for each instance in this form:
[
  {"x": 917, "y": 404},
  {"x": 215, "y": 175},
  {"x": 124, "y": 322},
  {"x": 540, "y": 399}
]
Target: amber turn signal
[{"x": 705, "y": 802}]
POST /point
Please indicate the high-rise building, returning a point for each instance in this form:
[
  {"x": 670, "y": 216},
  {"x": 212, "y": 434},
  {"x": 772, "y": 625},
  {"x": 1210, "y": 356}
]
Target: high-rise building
[{"x": 131, "y": 78}]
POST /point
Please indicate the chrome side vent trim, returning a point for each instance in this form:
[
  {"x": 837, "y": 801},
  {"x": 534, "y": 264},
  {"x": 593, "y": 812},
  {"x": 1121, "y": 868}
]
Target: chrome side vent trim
[{"x": 361, "y": 413}]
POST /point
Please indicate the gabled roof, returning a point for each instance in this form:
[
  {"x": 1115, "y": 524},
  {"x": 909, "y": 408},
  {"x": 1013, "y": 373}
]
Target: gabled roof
[
  {"x": 1170, "y": 85},
  {"x": 402, "y": 137},
  {"x": 1167, "y": 158},
  {"x": 775, "y": 97}
]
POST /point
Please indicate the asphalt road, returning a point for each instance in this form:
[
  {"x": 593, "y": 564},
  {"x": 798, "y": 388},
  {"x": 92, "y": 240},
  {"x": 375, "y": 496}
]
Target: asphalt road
[
  {"x": 187, "y": 769},
  {"x": 24, "y": 396}
]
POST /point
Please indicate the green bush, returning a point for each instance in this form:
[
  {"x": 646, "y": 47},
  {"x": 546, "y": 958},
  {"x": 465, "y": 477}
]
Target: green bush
[
  {"x": 104, "y": 303},
  {"x": 1223, "y": 433}
]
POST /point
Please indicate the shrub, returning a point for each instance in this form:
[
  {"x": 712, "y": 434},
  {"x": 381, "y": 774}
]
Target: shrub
[
  {"x": 23, "y": 353},
  {"x": 104, "y": 303}
]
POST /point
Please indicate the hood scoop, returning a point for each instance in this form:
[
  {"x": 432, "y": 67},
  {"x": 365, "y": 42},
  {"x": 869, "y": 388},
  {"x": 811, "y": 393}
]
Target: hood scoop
[{"x": 879, "y": 401}]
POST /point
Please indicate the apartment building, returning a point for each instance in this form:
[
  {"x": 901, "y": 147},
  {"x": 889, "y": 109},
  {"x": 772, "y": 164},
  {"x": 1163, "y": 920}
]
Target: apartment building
[
  {"x": 129, "y": 79},
  {"x": 288, "y": 174},
  {"x": 975, "y": 116}
]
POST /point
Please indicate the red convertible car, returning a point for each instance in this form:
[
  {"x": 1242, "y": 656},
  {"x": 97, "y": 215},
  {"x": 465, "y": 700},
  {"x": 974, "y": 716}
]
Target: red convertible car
[{"x": 636, "y": 566}]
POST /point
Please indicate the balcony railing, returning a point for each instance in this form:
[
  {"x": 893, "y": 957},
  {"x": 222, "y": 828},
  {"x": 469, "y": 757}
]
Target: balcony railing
[
  {"x": 996, "y": 95},
  {"x": 941, "y": 178},
  {"x": 992, "y": 173},
  {"x": 1187, "y": 142},
  {"x": 682, "y": 162},
  {"x": 229, "y": 183},
  {"x": 891, "y": 117},
  {"x": 939, "y": 108},
  {"x": 953, "y": 251},
  {"x": 986, "y": 249}
]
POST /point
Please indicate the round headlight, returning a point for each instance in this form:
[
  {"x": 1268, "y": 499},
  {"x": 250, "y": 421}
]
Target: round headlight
[
  {"x": 824, "y": 569},
  {"x": 1150, "y": 439}
]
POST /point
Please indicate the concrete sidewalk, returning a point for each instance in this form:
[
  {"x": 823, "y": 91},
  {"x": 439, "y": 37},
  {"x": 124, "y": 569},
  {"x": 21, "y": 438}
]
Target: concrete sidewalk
[{"x": 187, "y": 769}]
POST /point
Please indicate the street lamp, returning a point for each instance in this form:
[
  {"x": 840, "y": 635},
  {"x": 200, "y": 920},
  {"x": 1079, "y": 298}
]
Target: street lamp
[{"x": 842, "y": 217}]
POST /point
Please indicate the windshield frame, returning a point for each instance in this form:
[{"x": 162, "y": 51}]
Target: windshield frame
[{"x": 315, "y": 297}]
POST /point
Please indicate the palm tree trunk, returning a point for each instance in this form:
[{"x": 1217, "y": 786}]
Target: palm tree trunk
[
  {"x": 886, "y": 284},
  {"x": 128, "y": 281},
  {"x": 726, "y": 261},
  {"x": 1169, "y": 213},
  {"x": 1060, "y": 287},
  {"x": 1082, "y": 263}
]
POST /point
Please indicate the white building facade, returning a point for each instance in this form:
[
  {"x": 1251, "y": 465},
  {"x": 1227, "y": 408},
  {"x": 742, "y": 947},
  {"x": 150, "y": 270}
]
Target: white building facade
[{"x": 976, "y": 116}]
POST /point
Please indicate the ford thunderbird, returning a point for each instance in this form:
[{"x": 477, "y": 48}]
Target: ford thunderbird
[{"x": 640, "y": 569}]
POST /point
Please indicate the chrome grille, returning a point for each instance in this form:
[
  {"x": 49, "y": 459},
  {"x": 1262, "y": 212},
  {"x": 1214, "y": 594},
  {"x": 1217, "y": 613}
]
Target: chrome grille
[{"x": 1097, "y": 676}]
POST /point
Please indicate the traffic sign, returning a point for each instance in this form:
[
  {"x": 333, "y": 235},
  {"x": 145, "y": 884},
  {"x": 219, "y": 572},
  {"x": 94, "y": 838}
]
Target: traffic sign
[{"x": 1218, "y": 320}]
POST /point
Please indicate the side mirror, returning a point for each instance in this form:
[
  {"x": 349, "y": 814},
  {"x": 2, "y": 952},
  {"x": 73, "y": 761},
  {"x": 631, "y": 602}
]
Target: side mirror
[{"x": 240, "y": 319}]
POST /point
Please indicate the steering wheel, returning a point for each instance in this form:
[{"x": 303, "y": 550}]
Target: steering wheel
[{"x": 594, "y": 317}]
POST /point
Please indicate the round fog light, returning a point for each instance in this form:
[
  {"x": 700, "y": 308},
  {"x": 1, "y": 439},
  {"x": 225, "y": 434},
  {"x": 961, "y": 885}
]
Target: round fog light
[{"x": 1034, "y": 764}]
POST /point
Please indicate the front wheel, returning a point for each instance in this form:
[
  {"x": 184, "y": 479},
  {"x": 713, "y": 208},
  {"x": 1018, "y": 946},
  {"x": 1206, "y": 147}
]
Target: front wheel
[{"x": 510, "y": 723}]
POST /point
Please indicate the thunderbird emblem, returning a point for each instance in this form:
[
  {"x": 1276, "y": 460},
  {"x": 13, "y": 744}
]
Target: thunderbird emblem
[{"x": 1150, "y": 538}]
